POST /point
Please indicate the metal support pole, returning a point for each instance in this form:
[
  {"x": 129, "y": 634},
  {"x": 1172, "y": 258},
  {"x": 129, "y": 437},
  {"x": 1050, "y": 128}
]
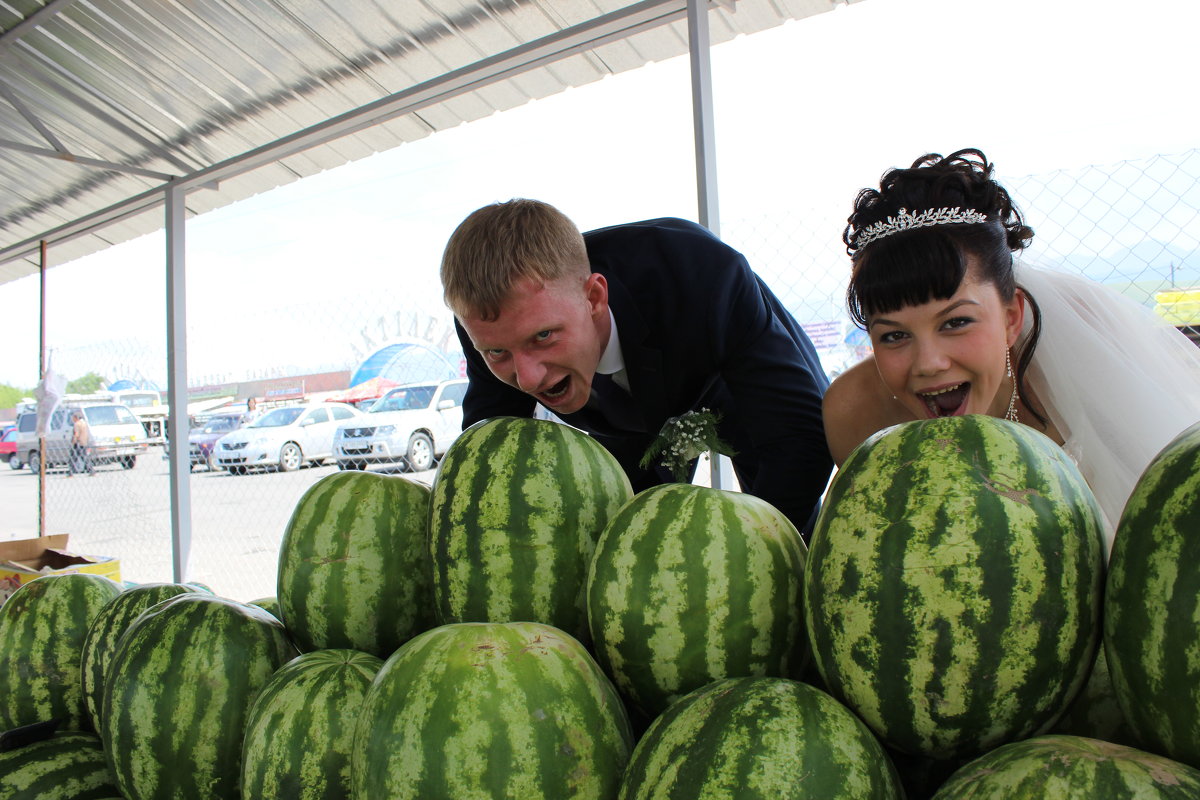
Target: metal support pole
[
  {"x": 41, "y": 379},
  {"x": 177, "y": 417},
  {"x": 706, "y": 159}
]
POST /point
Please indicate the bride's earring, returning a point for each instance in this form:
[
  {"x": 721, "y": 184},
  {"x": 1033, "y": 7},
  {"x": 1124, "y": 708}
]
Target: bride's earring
[{"x": 1011, "y": 414}]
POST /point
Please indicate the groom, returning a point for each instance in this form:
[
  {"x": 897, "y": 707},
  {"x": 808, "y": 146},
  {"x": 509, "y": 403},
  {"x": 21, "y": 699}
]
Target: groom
[{"x": 620, "y": 329}]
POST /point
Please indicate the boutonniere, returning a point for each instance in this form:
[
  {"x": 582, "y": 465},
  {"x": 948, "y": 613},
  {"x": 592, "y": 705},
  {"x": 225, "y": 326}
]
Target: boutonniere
[{"x": 683, "y": 438}]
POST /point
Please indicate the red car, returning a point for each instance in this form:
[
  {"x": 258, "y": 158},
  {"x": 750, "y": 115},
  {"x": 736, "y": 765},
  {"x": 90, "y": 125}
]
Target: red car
[{"x": 8, "y": 448}]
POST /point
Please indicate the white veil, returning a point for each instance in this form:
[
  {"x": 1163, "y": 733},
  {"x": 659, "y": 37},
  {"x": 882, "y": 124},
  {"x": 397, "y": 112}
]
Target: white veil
[{"x": 1118, "y": 382}]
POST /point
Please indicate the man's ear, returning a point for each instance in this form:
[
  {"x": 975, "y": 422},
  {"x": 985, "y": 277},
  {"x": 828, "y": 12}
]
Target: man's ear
[
  {"x": 596, "y": 291},
  {"x": 1014, "y": 317}
]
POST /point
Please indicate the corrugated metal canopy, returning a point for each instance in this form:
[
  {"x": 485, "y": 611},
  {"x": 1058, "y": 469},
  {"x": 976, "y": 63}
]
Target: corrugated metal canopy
[{"x": 102, "y": 102}]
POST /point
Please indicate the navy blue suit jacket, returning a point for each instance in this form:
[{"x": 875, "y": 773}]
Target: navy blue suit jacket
[{"x": 698, "y": 329}]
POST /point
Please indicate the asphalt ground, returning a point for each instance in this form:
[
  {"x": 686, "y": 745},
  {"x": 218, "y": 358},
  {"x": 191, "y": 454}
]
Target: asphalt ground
[{"x": 237, "y": 521}]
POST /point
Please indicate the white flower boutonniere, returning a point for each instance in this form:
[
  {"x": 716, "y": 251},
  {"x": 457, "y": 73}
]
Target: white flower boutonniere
[{"x": 683, "y": 438}]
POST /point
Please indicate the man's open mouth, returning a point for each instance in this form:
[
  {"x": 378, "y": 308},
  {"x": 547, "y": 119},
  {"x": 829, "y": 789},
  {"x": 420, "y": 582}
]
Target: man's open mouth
[
  {"x": 948, "y": 402},
  {"x": 557, "y": 390}
]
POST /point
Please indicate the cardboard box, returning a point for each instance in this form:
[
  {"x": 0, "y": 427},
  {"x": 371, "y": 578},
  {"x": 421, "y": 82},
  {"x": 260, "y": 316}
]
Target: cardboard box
[{"x": 25, "y": 559}]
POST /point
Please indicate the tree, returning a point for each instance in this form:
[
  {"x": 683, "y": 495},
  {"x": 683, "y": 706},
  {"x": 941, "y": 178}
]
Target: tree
[
  {"x": 11, "y": 395},
  {"x": 88, "y": 384}
]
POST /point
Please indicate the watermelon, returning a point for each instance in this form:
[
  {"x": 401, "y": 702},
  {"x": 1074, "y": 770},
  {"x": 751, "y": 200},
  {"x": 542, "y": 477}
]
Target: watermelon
[
  {"x": 490, "y": 710},
  {"x": 953, "y": 584},
  {"x": 354, "y": 568},
  {"x": 690, "y": 585},
  {"x": 66, "y": 766},
  {"x": 105, "y": 632},
  {"x": 1152, "y": 603},
  {"x": 759, "y": 739},
  {"x": 42, "y": 630},
  {"x": 301, "y": 727},
  {"x": 269, "y": 605},
  {"x": 1095, "y": 712},
  {"x": 517, "y": 507},
  {"x": 178, "y": 691},
  {"x": 1071, "y": 766}
]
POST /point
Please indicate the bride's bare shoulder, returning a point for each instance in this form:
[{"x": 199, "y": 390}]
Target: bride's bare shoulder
[{"x": 856, "y": 405}]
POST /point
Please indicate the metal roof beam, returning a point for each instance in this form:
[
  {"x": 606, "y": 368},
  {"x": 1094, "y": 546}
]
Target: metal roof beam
[
  {"x": 601, "y": 30},
  {"x": 62, "y": 155},
  {"x": 34, "y": 20}
]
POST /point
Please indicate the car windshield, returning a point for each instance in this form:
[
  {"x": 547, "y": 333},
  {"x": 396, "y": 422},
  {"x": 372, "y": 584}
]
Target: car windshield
[
  {"x": 220, "y": 425},
  {"x": 110, "y": 415},
  {"x": 404, "y": 399},
  {"x": 277, "y": 418}
]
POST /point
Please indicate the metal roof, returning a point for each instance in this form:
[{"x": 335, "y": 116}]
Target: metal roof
[{"x": 104, "y": 103}]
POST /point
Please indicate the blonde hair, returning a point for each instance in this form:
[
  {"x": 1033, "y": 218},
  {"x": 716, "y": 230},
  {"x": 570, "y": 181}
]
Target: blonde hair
[{"x": 498, "y": 245}]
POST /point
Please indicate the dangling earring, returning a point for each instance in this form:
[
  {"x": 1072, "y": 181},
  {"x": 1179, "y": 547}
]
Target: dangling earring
[{"x": 1011, "y": 414}]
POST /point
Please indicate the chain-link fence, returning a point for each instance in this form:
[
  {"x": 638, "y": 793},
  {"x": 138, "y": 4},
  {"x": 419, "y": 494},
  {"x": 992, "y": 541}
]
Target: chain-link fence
[{"x": 313, "y": 335}]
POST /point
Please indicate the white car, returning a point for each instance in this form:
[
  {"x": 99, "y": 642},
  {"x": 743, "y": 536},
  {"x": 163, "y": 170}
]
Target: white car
[
  {"x": 284, "y": 437},
  {"x": 412, "y": 424}
]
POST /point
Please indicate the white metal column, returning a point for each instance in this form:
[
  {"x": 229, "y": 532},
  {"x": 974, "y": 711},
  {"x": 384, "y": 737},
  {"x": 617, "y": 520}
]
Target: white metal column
[
  {"x": 706, "y": 159},
  {"x": 177, "y": 419}
]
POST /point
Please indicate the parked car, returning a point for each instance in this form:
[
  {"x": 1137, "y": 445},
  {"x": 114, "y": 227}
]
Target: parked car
[
  {"x": 8, "y": 448},
  {"x": 117, "y": 436},
  {"x": 203, "y": 439},
  {"x": 285, "y": 437},
  {"x": 412, "y": 424}
]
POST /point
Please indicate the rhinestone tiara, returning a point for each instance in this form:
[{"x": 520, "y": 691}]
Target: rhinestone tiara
[{"x": 905, "y": 220}]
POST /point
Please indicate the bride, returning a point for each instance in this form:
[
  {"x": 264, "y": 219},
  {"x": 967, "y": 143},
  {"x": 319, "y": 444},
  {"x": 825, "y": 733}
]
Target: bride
[{"x": 959, "y": 326}]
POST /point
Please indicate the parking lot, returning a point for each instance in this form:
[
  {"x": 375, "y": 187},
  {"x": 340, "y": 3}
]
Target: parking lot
[{"x": 237, "y": 521}]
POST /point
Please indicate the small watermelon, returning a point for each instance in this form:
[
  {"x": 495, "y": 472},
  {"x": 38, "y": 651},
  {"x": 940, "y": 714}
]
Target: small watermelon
[
  {"x": 759, "y": 739},
  {"x": 66, "y": 766},
  {"x": 482, "y": 710},
  {"x": 43, "y": 626}
]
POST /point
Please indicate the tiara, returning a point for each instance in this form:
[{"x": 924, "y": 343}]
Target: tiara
[{"x": 906, "y": 220}]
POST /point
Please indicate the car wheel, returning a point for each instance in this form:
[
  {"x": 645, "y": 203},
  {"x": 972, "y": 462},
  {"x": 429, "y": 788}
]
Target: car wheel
[
  {"x": 14, "y": 462},
  {"x": 35, "y": 461},
  {"x": 290, "y": 457},
  {"x": 420, "y": 452},
  {"x": 128, "y": 462}
]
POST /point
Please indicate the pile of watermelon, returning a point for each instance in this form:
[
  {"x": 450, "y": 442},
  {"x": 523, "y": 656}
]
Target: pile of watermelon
[{"x": 528, "y": 627}]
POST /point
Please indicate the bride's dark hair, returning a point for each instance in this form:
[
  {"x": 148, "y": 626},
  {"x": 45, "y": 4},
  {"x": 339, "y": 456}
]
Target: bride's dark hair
[{"x": 914, "y": 266}]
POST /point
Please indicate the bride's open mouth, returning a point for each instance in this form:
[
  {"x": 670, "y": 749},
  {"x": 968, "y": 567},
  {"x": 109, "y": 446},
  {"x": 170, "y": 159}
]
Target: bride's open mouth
[{"x": 948, "y": 402}]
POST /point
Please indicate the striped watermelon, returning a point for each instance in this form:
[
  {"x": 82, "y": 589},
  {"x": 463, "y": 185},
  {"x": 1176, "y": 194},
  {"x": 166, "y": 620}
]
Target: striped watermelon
[
  {"x": 759, "y": 739},
  {"x": 105, "y": 632},
  {"x": 1152, "y": 603},
  {"x": 1068, "y": 767},
  {"x": 689, "y": 585},
  {"x": 178, "y": 691},
  {"x": 490, "y": 710},
  {"x": 269, "y": 605},
  {"x": 354, "y": 567},
  {"x": 301, "y": 727},
  {"x": 42, "y": 629},
  {"x": 518, "y": 505},
  {"x": 67, "y": 766},
  {"x": 953, "y": 584},
  {"x": 1095, "y": 712}
]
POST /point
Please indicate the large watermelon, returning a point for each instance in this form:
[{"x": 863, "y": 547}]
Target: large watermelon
[
  {"x": 518, "y": 505},
  {"x": 301, "y": 727},
  {"x": 1068, "y": 767},
  {"x": 1152, "y": 603},
  {"x": 354, "y": 569},
  {"x": 759, "y": 739},
  {"x": 953, "y": 584},
  {"x": 105, "y": 632},
  {"x": 690, "y": 585},
  {"x": 490, "y": 710},
  {"x": 42, "y": 629},
  {"x": 66, "y": 766},
  {"x": 178, "y": 691}
]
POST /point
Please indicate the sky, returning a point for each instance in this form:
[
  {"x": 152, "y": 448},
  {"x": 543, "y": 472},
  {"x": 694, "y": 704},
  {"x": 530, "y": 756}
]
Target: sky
[{"x": 806, "y": 114}]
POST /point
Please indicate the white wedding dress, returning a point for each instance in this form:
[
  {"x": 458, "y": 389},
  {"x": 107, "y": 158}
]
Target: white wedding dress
[{"x": 1117, "y": 381}]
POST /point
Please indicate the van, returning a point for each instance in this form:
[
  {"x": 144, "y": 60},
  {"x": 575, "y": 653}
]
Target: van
[{"x": 117, "y": 436}]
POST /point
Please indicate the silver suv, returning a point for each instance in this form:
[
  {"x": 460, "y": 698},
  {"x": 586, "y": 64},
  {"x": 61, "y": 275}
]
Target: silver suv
[
  {"x": 411, "y": 425},
  {"x": 116, "y": 434}
]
